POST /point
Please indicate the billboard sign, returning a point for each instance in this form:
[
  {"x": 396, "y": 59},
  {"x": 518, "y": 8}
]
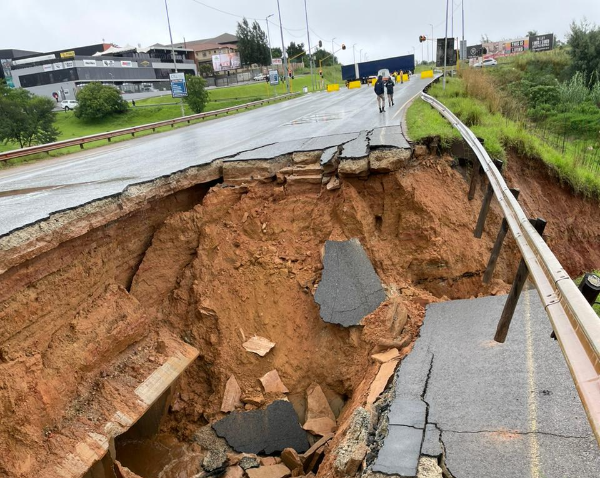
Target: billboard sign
[
  {"x": 47, "y": 67},
  {"x": 126, "y": 64},
  {"x": 69, "y": 64},
  {"x": 144, "y": 64},
  {"x": 89, "y": 63},
  {"x": 277, "y": 61},
  {"x": 57, "y": 66},
  {"x": 67, "y": 54},
  {"x": 108, "y": 62},
  {"x": 541, "y": 42},
  {"x": 226, "y": 61},
  {"x": 178, "y": 87},
  {"x": 273, "y": 77},
  {"x": 474, "y": 51},
  {"x": 450, "y": 53},
  {"x": 35, "y": 59}
]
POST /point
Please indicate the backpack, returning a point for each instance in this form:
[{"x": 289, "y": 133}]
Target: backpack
[{"x": 379, "y": 87}]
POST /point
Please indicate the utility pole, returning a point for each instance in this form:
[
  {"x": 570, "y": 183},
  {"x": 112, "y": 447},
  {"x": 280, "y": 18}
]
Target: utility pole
[
  {"x": 173, "y": 53},
  {"x": 283, "y": 52},
  {"x": 310, "y": 58},
  {"x": 355, "y": 65},
  {"x": 332, "y": 52},
  {"x": 360, "y": 56},
  {"x": 463, "y": 30},
  {"x": 445, "y": 46},
  {"x": 269, "y": 37}
]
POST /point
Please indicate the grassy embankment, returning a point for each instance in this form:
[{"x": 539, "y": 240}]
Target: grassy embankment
[
  {"x": 487, "y": 108},
  {"x": 161, "y": 108}
]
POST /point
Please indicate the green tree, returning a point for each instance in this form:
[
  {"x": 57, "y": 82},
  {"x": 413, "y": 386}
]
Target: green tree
[
  {"x": 206, "y": 69},
  {"x": 293, "y": 49},
  {"x": 197, "y": 95},
  {"x": 532, "y": 33},
  {"x": 25, "y": 118},
  {"x": 584, "y": 40},
  {"x": 252, "y": 43},
  {"x": 97, "y": 101},
  {"x": 276, "y": 52},
  {"x": 320, "y": 54}
]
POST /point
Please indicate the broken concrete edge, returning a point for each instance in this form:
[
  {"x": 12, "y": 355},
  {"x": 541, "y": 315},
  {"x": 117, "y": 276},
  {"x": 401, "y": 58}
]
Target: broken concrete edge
[
  {"x": 86, "y": 454},
  {"x": 29, "y": 241}
]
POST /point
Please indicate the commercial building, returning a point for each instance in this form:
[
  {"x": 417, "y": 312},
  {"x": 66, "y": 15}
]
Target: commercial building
[
  {"x": 204, "y": 50},
  {"x": 60, "y": 74}
]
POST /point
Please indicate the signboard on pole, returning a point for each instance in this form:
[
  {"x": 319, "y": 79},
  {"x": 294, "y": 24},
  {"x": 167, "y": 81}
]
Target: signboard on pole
[
  {"x": 450, "y": 53},
  {"x": 277, "y": 61},
  {"x": 474, "y": 51},
  {"x": 541, "y": 42},
  {"x": 178, "y": 87},
  {"x": 273, "y": 77}
]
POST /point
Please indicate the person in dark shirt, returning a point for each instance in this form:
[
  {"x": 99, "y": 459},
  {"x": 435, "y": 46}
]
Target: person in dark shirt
[
  {"x": 389, "y": 88},
  {"x": 380, "y": 92}
]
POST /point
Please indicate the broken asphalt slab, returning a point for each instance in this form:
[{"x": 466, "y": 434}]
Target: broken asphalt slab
[
  {"x": 497, "y": 410},
  {"x": 350, "y": 288},
  {"x": 388, "y": 137},
  {"x": 263, "y": 431}
]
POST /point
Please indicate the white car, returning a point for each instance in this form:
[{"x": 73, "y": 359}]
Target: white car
[
  {"x": 488, "y": 62},
  {"x": 68, "y": 104},
  {"x": 260, "y": 77}
]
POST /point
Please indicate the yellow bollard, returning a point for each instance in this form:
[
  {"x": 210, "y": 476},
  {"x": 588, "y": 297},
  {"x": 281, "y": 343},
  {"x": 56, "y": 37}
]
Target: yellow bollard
[
  {"x": 333, "y": 87},
  {"x": 405, "y": 77},
  {"x": 427, "y": 74},
  {"x": 353, "y": 84}
]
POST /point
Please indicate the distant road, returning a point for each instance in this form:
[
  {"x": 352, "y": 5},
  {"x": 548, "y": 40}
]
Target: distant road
[{"x": 29, "y": 193}]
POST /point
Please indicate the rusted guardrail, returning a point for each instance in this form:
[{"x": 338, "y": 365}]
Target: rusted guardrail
[
  {"x": 575, "y": 324},
  {"x": 42, "y": 148}
]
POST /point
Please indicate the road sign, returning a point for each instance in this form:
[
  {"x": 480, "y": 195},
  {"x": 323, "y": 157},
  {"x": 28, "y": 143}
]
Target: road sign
[
  {"x": 178, "y": 87},
  {"x": 450, "y": 53},
  {"x": 273, "y": 77},
  {"x": 277, "y": 61}
]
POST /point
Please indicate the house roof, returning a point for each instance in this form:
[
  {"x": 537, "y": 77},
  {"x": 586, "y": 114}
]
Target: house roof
[
  {"x": 225, "y": 39},
  {"x": 210, "y": 46}
]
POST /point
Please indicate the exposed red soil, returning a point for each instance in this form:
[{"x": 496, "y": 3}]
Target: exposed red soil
[{"x": 243, "y": 261}]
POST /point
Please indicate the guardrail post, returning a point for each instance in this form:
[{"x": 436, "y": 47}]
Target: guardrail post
[
  {"x": 489, "y": 270},
  {"x": 475, "y": 174},
  {"x": 81, "y": 146},
  {"x": 485, "y": 205},
  {"x": 515, "y": 290}
]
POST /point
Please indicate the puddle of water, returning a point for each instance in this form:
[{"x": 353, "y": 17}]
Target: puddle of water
[{"x": 161, "y": 457}]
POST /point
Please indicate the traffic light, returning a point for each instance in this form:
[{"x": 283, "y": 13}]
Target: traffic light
[
  {"x": 343, "y": 46},
  {"x": 320, "y": 44},
  {"x": 321, "y": 73},
  {"x": 422, "y": 38}
]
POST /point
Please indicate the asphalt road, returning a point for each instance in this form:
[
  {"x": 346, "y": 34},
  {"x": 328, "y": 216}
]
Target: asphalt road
[
  {"x": 498, "y": 410},
  {"x": 30, "y": 193}
]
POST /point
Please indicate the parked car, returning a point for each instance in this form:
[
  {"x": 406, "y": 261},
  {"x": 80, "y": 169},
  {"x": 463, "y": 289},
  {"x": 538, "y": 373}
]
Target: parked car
[
  {"x": 487, "y": 62},
  {"x": 68, "y": 104},
  {"x": 260, "y": 77},
  {"x": 385, "y": 73}
]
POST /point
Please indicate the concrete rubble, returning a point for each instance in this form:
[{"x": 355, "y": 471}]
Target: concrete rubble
[
  {"x": 350, "y": 288},
  {"x": 258, "y": 345},
  {"x": 265, "y": 431},
  {"x": 272, "y": 383},
  {"x": 386, "y": 356},
  {"x": 232, "y": 395},
  {"x": 320, "y": 419}
]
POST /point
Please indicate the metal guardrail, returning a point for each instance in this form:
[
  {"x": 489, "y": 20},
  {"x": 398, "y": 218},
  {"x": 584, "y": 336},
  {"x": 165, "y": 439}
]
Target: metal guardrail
[
  {"x": 575, "y": 324},
  {"x": 42, "y": 148}
]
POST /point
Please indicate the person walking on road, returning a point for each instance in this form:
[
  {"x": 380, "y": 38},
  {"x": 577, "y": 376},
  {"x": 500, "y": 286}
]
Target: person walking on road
[
  {"x": 389, "y": 88},
  {"x": 380, "y": 92}
]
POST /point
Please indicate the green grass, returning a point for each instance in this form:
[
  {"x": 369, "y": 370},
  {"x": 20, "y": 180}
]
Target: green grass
[
  {"x": 500, "y": 135},
  {"x": 158, "y": 109}
]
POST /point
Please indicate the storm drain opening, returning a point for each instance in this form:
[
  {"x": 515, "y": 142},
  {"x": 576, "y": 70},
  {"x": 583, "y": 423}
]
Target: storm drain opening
[{"x": 252, "y": 329}]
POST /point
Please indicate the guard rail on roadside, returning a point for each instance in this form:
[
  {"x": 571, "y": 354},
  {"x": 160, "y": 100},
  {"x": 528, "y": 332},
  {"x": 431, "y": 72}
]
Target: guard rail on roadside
[
  {"x": 575, "y": 324},
  {"x": 42, "y": 148}
]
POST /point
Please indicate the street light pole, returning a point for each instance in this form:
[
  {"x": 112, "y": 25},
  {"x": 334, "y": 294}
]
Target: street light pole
[
  {"x": 332, "y": 52},
  {"x": 463, "y": 53},
  {"x": 310, "y": 58},
  {"x": 285, "y": 62},
  {"x": 445, "y": 46},
  {"x": 355, "y": 65},
  {"x": 432, "y": 45},
  {"x": 173, "y": 53},
  {"x": 269, "y": 37}
]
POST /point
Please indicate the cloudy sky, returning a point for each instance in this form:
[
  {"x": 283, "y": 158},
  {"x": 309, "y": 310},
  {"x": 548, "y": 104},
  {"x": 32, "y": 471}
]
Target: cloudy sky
[{"x": 380, "y": 29}]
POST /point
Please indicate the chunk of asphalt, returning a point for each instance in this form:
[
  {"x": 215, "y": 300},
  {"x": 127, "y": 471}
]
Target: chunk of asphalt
[
  {"x": 265, "y": 431},
  {"x": 328, "y": 155},
  {"x": 400, "y": 452},
  {"x": 431, "y": 443},
  {"x": 357, "y": 148},
  {"x": 388, "y": 137},
  {"x": 408, "y": 412},
  {"x": 350, "y": 288}
]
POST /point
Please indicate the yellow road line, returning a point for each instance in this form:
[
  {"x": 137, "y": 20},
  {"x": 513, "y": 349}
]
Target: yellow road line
[{"x": 534, "y": 449}]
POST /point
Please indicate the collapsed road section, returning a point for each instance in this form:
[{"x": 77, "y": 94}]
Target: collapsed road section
[{"x": 226, "y": 262}]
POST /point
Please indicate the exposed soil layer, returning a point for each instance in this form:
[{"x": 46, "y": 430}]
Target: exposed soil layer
[{"x": 216, "y": 268}]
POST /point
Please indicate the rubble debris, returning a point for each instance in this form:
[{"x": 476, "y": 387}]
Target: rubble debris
[
  {"x": 272, "y": 383},
  {"x": 429, "y": 468},
  {"x": 270, "y": 460},
  {"x": 124, "y": 472},
  {"x": 349, "y": 289},
  {"x": 317, "y": 404},
  {"x": 320, "y": 426},
  {"x": 249, "y": 461},
  {"x": 388, "y": 160},
  {"x": 291, "y": 459},
  {"x": 386, "y": 356},
  {"x": 356, "y": 436},
  {"x": 274, "y": 471},
  {"x": 318, "y": 444},
  {"x": 263, "y": 431},
  {"x": 400, "y": 452},
  {"x": 255, "y": 399},
  {"x": 258, "y": 345},
  {"x": 232, "y": 395},
  {"x": 386, "y": 370},
  {"x": 330, "y": 160},
  {"x": 333, "y": 184},
  {"x": 234, "y": 472},
  {"x": 214, "y": 460}
]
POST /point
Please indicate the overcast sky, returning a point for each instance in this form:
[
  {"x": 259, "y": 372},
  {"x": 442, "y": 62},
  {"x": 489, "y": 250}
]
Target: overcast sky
[{"x": 380, "y": 29}]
